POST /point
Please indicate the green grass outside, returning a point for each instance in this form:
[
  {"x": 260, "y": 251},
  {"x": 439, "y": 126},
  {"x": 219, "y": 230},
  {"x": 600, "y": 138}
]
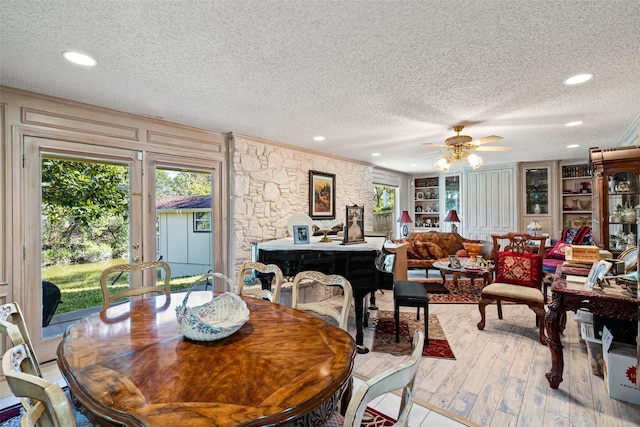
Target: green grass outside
[{"x": 80, "y": 284}]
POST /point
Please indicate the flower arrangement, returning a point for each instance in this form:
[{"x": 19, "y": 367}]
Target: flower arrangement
[{"x": 585, "y": 186}]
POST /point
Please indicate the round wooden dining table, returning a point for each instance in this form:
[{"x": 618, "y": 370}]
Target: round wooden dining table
[{"x": 130, "y": 365}]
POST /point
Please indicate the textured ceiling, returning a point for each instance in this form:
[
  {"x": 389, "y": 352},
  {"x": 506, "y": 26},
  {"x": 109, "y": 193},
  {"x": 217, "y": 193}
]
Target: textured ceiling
[{"x": 371, "y": 76}]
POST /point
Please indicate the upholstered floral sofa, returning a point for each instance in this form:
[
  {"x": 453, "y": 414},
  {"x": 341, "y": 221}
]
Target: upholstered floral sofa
[{"x": 423, "y": 249}]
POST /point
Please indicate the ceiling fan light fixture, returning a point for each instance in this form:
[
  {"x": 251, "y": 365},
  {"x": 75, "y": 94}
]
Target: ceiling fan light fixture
[
  {"x": 474, "y": 160},
  {"x": 443, "y": 165}
]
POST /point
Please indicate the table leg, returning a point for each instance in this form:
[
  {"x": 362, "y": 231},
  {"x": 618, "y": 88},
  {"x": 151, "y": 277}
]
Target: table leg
[
  {"x": 346, "y": 397},
  {"x": 358, "y": 302},
  {"x": 444, "y": 278},
  {"x": 455, "y": 281},
  {"x": 553, "y": 323},
  {"x": 396, "y": 316}
]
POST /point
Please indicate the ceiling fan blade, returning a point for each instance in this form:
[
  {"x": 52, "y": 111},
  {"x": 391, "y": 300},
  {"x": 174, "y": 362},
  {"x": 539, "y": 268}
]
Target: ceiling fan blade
[
  {"x": 433, "y": 152},
  {"x": 486, "y": 140},
  {"x": 497, "y": 148}
]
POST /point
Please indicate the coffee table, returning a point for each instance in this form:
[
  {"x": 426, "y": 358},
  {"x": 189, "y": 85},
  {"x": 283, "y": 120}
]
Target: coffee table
[{"x": 443, "y": 265}]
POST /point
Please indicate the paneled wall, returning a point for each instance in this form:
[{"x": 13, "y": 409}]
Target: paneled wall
[
  {"x": 24, "y": 115},
  {"x": 490, "y": 202}
]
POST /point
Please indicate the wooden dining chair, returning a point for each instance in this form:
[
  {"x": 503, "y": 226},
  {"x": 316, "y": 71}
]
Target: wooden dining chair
[
  {"x": 319, "y": 306},
  {"x": 149, "y": 267},
  {"x": 12, "y": 324},
  {"x": 248, "y": 269},
  {"x": 49, "y": 405},
  {"x": 518, "y": 277},
  {"x": 401, "y": 376}
]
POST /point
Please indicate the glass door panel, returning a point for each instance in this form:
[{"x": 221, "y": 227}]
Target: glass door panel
[
  {"x": 85, "y": 229},
  {"x": 184, "y": 222},
  {"x": 79, "y": 205},
  {"x": 537, "y": 191},
  {"x": 384, "y": 209},
  {"x": 452, "y": 201}
]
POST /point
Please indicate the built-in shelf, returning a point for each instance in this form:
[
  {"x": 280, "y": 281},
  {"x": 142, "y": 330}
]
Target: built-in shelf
[
  {"x": 426, "y": 194},
  {"x": 577, "y": 187}
]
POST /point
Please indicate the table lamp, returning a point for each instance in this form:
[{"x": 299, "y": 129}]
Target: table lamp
[
  {"x": 404, "y": 219},
  {"x": 452, "y": 216}
]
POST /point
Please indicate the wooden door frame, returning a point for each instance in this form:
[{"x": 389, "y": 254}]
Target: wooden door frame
[{"x": 29, "y": 264}]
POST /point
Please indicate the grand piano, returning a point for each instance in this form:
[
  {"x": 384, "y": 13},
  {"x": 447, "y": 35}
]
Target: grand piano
[{"x": 368, "y": 266}]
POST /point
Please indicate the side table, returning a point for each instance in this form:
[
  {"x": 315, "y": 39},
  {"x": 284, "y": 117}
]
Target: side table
[{"x": 485, "y": 274}]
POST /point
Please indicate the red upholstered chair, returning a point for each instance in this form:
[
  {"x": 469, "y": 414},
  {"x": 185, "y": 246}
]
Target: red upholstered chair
[{"x": 518, "y": 277}]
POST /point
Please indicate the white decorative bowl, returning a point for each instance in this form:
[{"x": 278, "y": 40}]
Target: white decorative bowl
[{"x": 217, "y": 319}]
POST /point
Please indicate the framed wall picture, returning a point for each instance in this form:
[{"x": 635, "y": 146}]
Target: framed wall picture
[
  {"x": 454, "y": 261},
  {"x": 300, "y": 234},
  {"x": 322, "y": 195},
  {"x": 354, "y": 228}
]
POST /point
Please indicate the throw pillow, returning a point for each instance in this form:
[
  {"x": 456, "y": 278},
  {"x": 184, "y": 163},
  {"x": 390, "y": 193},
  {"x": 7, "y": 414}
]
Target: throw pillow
[
  {"x": 519, "y": 269},
  {"x": 557, "y": 252},
  {"x": 422, "y": 249},
  {"x": 578, "y": 236},
  {"x": 436, "y": 251},
  {"x": 411, "y": 250}
]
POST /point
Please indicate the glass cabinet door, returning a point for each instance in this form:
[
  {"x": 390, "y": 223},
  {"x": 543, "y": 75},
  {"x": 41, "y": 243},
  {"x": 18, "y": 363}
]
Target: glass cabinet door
[
  {"x": 624, "y": 196},
  {"x": 537, "y": 188},
  {"x": 452, "y": 193}
]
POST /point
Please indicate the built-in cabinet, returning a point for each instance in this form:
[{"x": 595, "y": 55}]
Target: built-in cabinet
[
  {"x": 539, "y": 197},
  {"x": 433, "y": 198},
  {"x": 426, "y": 195},
  {"x": 576, "y": 196},
  {"x": 615, "y": 197}
]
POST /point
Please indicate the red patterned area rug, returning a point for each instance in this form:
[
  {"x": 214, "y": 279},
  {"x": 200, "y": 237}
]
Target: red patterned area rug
[
  {"x": 384, "y": 340},
  {"x": 373, "y": 418},
  {"x": 466, "y": 295}
]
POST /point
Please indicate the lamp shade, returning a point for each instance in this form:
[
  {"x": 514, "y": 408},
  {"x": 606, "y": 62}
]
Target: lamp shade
[
  {"x": 404, "y": 217},
  {"x": 452, "y": 216}
]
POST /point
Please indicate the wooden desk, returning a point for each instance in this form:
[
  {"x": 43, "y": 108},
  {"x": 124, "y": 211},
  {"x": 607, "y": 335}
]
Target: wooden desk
[
  {"x": 612, "y": 302},
  {"x": 131, "y": 366}
]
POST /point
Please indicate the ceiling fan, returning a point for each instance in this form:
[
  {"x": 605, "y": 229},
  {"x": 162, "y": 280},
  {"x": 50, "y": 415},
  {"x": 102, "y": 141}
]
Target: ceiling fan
[{"x": 461, "y": 147}]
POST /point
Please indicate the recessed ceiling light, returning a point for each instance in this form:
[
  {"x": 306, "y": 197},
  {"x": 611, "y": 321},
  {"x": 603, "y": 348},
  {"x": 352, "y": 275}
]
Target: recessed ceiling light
[
  {"x": 413, "y": 165},
  {"x": 576, "y": 123},
  {"x": 375, "y": 154},
  {"x": 573, "y": 146},
  {"x": 577, "y": 79},
  {"x": 319, "y": 138},
  {"x": 79, "y": 58}
]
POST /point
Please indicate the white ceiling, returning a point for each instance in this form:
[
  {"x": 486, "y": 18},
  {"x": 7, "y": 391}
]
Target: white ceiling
[{"x": 370, "y": 76}]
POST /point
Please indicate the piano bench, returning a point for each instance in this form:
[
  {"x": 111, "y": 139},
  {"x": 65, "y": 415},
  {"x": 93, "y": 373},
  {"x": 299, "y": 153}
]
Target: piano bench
[{"x": 409, "y": 293}]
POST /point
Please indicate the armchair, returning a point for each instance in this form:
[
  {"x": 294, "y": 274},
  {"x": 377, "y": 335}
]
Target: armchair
[{"x": 518, "y": 277}]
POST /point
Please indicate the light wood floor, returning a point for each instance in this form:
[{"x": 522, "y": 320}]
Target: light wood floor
[{"x": 498, "y": 377}]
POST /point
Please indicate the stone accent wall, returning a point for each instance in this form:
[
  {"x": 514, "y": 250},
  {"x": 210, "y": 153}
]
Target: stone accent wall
[{"x": 270, "y": 182}]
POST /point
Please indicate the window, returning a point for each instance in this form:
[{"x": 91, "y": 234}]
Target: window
[{"x": 202, "y": 221}]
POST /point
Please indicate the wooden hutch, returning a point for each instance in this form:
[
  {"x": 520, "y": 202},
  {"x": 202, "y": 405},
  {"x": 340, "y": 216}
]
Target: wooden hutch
[{"x": 616, "y": 193}]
